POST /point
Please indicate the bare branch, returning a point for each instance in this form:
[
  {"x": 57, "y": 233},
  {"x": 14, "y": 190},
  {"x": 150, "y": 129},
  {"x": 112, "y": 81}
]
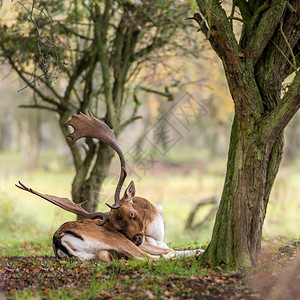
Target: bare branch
[
  {"x": 32, "y": 81},
  {"x": 126, "y": 123},
  {"x": 237, "y": 19},
  {"x": 166, "y": 94},
  {"x": 211, "y": 200},
  {"x": 44, "y": 97},
  {"x": 38, "y": 107},
  {"x": 216, "y": 27},
  {"x": 80, "y": 67}
]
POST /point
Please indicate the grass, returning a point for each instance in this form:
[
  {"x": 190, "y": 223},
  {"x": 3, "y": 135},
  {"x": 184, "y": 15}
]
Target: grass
[
  {"x": 44, "y": 277},
  {"x": 73, "y": 279}
]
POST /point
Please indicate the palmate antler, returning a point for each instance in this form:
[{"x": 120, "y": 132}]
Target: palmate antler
[
  {"x": 67, "y": 204},
  {"x": 85, "y": 126}
]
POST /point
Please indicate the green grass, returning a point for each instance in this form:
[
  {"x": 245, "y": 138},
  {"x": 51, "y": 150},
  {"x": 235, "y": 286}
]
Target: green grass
[
  {"x": 45, "y": 277},
  {"x": 49, "y": 278}
]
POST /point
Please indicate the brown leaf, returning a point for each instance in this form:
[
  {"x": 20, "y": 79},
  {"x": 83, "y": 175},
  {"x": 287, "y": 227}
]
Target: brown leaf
[
  {"x": 150, "y": 295},
  {"x": 132, "y": 288}
]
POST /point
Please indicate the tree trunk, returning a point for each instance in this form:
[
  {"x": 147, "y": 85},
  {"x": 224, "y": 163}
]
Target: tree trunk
[
  {"x": 89, "y": 188},
  {"x": 251, "y": 172}
]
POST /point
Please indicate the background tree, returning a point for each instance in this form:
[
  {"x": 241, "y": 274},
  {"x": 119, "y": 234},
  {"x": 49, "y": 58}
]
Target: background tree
[
  {"x": 81, "y": 55},
  {"x": 262, "y": 69}
]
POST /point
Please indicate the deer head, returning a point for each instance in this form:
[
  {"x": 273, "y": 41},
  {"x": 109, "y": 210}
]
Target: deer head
[
  {"x": 128, "y": 217},
  {"x": 124, "y": 215}
]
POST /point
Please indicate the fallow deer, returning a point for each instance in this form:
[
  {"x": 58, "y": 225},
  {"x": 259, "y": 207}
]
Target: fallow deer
[
  {"x": 87, "y": 239},
  {"x": 130, "y": 217}
]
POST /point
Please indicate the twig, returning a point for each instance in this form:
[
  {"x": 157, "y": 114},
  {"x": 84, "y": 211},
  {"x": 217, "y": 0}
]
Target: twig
[
  {"x": 289, "y": 46},
  {"x": 284, "y": 55},
  {"x": 232, "y": 13},
  {"x": 31, "y": 82},
  {"x": 38, "y": 106},
  {"x": 237, "y": 19},
  {"x": 190, "y": 219},
  {"x": 44, "y": 41}
]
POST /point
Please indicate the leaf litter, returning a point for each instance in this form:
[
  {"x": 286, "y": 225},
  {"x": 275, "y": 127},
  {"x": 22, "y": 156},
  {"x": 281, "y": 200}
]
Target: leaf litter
[{"x": 47, "y": 277}]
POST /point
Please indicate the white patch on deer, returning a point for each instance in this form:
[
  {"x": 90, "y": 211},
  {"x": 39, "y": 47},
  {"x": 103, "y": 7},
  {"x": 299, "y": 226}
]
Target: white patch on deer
[
  {"x": 155, "y": 232},
  {"x": 87, "y": 249},
  {"x": 61, "y": 254}
]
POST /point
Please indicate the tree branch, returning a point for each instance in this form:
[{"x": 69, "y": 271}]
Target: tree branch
[
  {"x": 236, "y": 19},
  {"x": 74, "y": 32},
  {"x": 88, "y": 87},
  {"x": 244, "y": 9},
  {"x": 81, "y": 66},
  {"x": 126, "y": 123},
  {"x": 45, "y": 82},
  {"x": 294, "y": 64},
  {"x": 283, "y": 112},
  {"x": 278, "y": 55},
  {"x": 216, "y": 27},
  {"x": 265, "y": 30},
  {"x": 38, "y": 107},
  {"x": 44, "y": 97},
  {"x": 166, "y": 94},
  {"x": 100, "y": 41}
]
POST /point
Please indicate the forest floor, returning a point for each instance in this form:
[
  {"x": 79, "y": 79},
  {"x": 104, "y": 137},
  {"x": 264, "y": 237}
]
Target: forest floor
[
  {"x": 45, "y": 277},
  {"x": 29, "y": 271}
]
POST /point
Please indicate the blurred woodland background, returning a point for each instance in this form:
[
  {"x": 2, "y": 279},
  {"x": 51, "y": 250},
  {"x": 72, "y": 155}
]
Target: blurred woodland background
[{"x": 176, "y": 147}]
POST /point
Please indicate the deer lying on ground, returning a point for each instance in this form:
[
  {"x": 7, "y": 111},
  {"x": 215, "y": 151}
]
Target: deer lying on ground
[
  {"x": 133, "y": 227},
  {"x": 89, "y": 239}
]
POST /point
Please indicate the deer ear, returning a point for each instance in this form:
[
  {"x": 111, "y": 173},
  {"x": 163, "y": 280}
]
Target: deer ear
[{"x": 130, "y": 191}]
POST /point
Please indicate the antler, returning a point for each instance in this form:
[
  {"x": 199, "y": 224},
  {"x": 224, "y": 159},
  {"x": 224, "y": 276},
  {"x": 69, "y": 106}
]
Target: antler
[
  {"x": 67, "y": 204},
  {"x": 85, "y": 126}
]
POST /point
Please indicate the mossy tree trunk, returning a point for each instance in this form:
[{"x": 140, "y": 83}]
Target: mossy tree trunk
[{"x": 255, "y": 67}]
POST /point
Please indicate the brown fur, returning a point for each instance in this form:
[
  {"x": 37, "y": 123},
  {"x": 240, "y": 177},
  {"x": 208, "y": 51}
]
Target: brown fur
[
  {"x": 106, "y": 237},
  {"x": 144, "y": 213}
]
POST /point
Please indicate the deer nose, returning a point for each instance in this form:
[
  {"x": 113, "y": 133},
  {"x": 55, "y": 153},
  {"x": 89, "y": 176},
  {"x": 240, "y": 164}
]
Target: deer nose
[{"x": 137, "y": 239}]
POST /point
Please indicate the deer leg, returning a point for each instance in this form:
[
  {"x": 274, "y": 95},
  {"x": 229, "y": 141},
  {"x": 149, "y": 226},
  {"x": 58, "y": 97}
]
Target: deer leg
[
  {"x": 155, "y": 242},
  {"x": 192, "y": 252},
  {"x": 155, "y": 250},
  {"x": 104, "y": 255}
]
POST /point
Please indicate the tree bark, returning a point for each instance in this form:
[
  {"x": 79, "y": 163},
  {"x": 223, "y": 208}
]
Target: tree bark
[
  {"x": 89, "y": 188},
  {"x": 251, "y": 172}
]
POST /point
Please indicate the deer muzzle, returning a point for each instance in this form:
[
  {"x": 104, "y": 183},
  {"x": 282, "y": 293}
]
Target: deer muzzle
[{"x": 138, "y": 239}]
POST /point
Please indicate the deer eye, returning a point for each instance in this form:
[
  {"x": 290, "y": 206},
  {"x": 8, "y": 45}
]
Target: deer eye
[{"x": 132, "y": 214}]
